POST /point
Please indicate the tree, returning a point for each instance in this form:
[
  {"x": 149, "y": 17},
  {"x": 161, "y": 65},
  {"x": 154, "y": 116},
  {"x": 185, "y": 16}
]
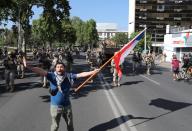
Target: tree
[
  {"x": 120, "y": 38},
  {"x": 9, "y": 38},
  {"x": 55, "y": 12},
  {"x": 21, "y": 11},
  {"x": 39, "y": 34},
  {"x": 90, "y": 32},
  {"x": 78, "y": 24},
  {"x": 69, "y": 33}
]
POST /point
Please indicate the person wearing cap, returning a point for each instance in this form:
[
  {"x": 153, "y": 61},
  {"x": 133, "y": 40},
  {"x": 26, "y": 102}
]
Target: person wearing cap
[
  {"x": 60, "y": 84},
  {"x": 10, "y": 65}
]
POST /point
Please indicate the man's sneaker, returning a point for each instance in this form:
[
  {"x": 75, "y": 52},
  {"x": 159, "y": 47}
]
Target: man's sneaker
[
  {"x": 44, "y": 86},
  {"x": 118, "y": 85},
  {"x": 114, "y": 84}
]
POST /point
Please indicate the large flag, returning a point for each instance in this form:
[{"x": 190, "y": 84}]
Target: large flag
[{"x": 119, "y": 57}]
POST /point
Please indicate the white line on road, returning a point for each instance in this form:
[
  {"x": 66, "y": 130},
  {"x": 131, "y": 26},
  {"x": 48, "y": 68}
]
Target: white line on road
[
  {"x": 153, "y": 81},
  {"x": 112, "y": 104},
  {"x": 111, "y": 95}
]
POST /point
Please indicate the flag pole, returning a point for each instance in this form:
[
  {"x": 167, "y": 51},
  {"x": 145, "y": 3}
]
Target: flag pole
[
  {"x": 100, "y": 68},
  {"x": 81, "y": 86}
]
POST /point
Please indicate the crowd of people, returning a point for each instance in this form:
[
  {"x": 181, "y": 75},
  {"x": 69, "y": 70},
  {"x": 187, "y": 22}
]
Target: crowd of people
[
  {"x": 52, "y": 68},
  {"x": 47, "y": 58}
]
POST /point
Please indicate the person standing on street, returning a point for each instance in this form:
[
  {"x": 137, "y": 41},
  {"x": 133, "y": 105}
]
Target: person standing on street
[
  {"x": 149, "y": 61},
  {"x": 10, "y": 65},
  {"x": 60, "y": 84},
  {"x": 116, "y": 78},
  {"x": 175, "y": 67},
  {"x": 69, "y": 59},
  {"x": 20, "y": 66}
]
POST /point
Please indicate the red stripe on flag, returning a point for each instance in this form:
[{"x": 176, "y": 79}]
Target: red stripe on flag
[
  {"x": 117, "y": 61},
  {"x": 118, "y": 55}
]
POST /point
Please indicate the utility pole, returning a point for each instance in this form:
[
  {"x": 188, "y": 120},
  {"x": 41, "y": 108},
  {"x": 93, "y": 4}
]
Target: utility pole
[
  {"x": 145, "y": 47},
  {"x": 129, "y": 33},
  {"x": 19, "y": 29}
]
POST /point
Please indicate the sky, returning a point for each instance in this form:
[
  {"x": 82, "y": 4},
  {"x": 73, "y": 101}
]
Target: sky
[{"x": 112, "y": 11}]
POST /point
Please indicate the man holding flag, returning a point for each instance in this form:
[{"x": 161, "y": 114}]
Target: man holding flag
[{"x": 119, "y": 56}]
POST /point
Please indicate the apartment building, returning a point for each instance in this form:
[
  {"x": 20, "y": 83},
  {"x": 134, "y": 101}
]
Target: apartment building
[{"x": 156, "y": 14}]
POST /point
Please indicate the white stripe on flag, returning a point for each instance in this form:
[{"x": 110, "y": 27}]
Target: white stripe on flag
[{"x": 125, "y": 52}]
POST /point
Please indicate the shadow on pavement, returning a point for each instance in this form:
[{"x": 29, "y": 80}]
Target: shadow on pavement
[
  {"x": 46, "y": 98},
  {"x": 26, "y": 86},
  {"x": 169, "y": 105},
  {"x": 21, "y": 87},
  {"x": 131, "y": 82},
  {"x": 88, "y": 88},
  {"x": 115, "y": 123}
]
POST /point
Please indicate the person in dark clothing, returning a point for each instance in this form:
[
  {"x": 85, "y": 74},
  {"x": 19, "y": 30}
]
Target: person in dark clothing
[
  {"x": 10, "y": 65},
  {"x": 69, "y": 60},
  {"x": 185, "y": 60}
]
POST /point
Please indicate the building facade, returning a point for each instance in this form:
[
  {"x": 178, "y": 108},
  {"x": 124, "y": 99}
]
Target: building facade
[
  {"x": 177, "y": 43},
  {"x": 108, "y": 30},
  {"x": 156, "y": 14}
]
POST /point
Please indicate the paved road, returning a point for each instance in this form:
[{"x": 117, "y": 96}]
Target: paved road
[{"x": 142, "y": 103}]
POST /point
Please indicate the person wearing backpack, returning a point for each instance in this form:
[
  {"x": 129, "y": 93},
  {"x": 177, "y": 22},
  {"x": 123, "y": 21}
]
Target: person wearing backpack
[{"x": 60, "y": 84}]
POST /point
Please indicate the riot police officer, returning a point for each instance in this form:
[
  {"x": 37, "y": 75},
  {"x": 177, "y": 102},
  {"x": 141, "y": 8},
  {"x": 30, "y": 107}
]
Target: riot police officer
[
  {"x": 10, "y": 69},
  {"x": 20, "y": 66}
]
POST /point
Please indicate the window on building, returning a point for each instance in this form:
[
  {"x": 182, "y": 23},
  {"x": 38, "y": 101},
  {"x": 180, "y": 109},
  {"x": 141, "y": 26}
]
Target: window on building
[
  {"x": 160, "y": 18},
  {"x": 143, "y": 9},
  {"x": 160, "y": 8},
  {"x": 178, "y": 10},
  {"x": 178, "y": 1},
  {"x": 100, "y": 34},
  {"x": 143, "y": 1},
  {"x": 159, "y": 26},
  {"x": 177, "y": 18},
  {"x": 161, "y": 1}
]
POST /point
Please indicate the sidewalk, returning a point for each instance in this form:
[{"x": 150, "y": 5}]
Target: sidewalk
[{"x": 164, "y": 65}]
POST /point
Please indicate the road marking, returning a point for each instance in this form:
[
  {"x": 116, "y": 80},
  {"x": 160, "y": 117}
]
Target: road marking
[
  {"x": 153, "y": 81},
  {"x": 113, "y": 107},
  {"x": 118, "y": 109}
]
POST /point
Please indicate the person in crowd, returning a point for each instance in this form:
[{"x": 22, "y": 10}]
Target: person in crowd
[
  {"x": 134, "y": 62},
  {"x": 46, "y": 65},
  {"x": 60, "y": 84},
  {"x": 20, "y": 66},
  {"x": 175, "y": 67},
  {"x": 10, "y": 65},
  {"x": 69, "y": 59},
  {"x": 116, "y": 78},
  {"x": 148, "y": 58}
]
